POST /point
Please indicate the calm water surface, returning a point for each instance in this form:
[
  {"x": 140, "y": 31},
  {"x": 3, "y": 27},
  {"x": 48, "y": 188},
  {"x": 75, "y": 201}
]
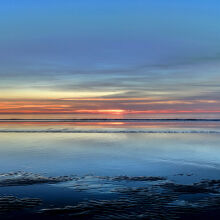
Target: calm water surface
[{"x": 52, "y": 149}]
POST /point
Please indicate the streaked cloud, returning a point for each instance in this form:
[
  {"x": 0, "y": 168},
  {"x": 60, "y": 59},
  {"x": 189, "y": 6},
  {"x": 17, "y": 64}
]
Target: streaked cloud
[{"x": 130, "y": 57}]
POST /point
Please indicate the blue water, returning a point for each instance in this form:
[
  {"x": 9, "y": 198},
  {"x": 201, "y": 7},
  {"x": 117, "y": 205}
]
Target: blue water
[{"x": 183, "y": 152}]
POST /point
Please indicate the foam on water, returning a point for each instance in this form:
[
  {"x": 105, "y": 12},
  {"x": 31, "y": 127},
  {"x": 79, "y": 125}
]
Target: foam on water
[{"x": 152, "y": 126}]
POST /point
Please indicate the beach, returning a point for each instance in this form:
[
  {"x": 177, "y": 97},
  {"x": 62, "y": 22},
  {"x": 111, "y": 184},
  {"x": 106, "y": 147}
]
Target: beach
[{"x": 109, "y": 169}]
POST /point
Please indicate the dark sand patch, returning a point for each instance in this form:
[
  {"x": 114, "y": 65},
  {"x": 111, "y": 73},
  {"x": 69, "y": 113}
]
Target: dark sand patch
[
  {"x": 136, "y": 178},
  {"x": 25, "y": 178},
  {"x": 157, "y": 201},
  {"x": 11, "y": 203},
  {"x": 140, "y": 197}
]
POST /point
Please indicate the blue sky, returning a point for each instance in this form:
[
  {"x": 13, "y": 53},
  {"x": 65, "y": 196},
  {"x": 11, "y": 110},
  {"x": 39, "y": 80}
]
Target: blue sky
[{"x": 162, "y": 50}]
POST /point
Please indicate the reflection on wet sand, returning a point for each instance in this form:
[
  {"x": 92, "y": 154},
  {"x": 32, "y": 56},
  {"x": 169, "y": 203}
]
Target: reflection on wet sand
[
  {"x": 109, "y": 170},
  {"x": 135, "y": 197}
]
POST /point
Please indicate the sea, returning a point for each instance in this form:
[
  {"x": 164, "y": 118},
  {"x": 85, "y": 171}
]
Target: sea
[{"x": 109, "y": 168}]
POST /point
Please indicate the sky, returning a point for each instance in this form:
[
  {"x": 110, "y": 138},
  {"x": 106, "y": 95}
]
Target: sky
[{"x": 119, "y": 57}]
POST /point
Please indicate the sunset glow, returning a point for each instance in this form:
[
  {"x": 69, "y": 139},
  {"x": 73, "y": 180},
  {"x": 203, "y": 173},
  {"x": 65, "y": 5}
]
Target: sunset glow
[
  {"x": 132, "y": 58},
  {"x": 109, "y": 109},
  {"x": 106, "y": 106}
]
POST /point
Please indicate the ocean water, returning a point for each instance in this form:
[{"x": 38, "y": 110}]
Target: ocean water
[{"x": 77, "y": 169}]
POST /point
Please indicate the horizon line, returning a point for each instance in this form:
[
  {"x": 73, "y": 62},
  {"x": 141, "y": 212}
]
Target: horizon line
[{"x": 108, "y": 119}]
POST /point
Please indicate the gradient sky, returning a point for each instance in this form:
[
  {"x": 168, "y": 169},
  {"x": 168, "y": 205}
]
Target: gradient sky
[{"x": 110, "y": 57}]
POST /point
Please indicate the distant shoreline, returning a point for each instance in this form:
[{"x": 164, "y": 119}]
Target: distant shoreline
[{"x": 111, "y": 120}]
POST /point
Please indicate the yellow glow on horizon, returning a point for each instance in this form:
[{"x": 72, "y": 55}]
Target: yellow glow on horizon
[
  {"x": 103, "y": 111},
  {"x": 108, "y": 99},
  {"x": 38, "y": 94},
  {"x": 35, "y": 101}
]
